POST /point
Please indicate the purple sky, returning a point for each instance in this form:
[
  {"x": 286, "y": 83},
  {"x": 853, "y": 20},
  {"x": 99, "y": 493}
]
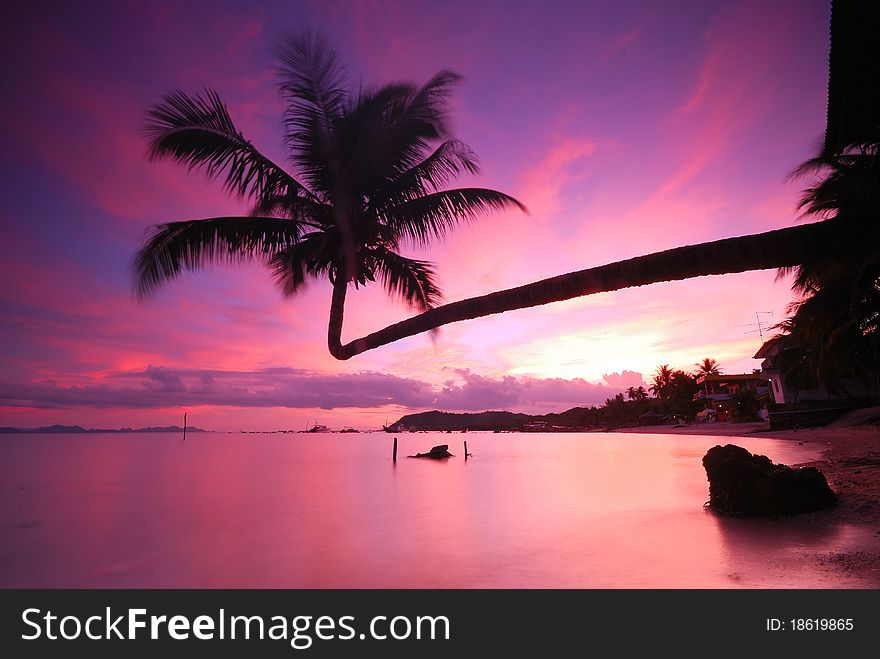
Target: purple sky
[{"x": 625, "y": 127}]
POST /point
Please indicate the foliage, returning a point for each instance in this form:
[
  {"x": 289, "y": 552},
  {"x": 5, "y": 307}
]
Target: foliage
[
  {"x": 661, "y": 381},
  {"x": 636, "y": 393},
  {"x": 743, "y": 405},
  {"x": 707, "y": 367},
  {"x": 833, "y": 330},
  {"x": 369, "y": 170}
]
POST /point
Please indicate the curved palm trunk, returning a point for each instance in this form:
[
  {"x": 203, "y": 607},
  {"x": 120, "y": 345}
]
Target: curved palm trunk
[{"x": 773, "y": 249}]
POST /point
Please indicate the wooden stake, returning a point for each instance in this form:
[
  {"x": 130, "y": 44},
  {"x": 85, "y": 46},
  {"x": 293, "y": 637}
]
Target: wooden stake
[
  {"x": 465, "y": 451},
  {"x": 184, "y": 426},
  {"x": 394, "y": 451}
]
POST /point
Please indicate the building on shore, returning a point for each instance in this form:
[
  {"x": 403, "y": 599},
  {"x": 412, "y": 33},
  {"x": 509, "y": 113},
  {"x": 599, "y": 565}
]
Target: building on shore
[{"x": 719, "y": 392}]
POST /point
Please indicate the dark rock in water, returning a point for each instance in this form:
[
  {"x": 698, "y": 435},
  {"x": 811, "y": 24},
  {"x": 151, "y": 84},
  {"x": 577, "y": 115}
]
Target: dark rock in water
[
  {"x": 746, "y": 485},
  {"x": 437, "y": 452}
]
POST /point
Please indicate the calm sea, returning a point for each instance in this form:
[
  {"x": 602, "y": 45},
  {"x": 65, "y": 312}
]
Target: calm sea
[{"x": 333, "y": 511}]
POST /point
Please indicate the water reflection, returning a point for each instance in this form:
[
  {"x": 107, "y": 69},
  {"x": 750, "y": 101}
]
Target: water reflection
[
  {"x": 531, "y": 511},
  {"x": 784, "y": 553}
]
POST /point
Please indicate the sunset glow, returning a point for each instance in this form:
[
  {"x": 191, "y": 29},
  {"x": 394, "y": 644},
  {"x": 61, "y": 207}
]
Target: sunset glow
[{"x": 624, "y": 128}]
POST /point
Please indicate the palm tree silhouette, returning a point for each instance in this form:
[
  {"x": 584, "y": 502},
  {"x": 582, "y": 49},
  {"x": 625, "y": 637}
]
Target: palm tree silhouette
[
  {"x": 371, "y": 169},
  {"x": 368, "y": 184},
  {"x": 662, "y": 380},
  {"x": 636, "y": 393},
  {"x": 707, "y": 367},
  {"x": 834, "y": 328}
]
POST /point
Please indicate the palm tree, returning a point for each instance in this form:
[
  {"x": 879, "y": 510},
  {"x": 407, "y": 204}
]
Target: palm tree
[
  {"x": 367, "y": 185},
  {"x": 834, "y": 327},
  {"x": 707, "y": 367},
  {"x": 662, "y": 379},
  {"x": 370, "y": 173},
  {"x": 636, "y": 393}
]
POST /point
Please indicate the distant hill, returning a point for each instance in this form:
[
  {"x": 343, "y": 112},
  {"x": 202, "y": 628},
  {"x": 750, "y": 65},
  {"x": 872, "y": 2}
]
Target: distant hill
[
  {"x": 70, "y": 430},
  {"x": 436, "y": 420},
  {"x": 575, "y": 418}
]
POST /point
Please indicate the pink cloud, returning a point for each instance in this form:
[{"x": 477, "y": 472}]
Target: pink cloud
[
  {"x": 164, "y": 388},
  {"x": 624, "y": 380},
  {"x": 564, "y": 164},
  {"x": 247, "y": 35},
  {"x": 613, "y": 159},
  {"x": 621, "y": 44}
]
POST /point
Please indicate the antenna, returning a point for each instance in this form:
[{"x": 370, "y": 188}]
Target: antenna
[
  {"x": 758, "y": 326},
  {"x": 760, "y": 329}
]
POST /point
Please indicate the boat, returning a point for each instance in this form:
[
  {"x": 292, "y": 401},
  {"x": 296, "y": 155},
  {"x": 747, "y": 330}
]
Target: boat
[
  {"x": 349, "y": 430},
  {"x": 317, "y": 428},
  {"x": 397, "y": 427}
]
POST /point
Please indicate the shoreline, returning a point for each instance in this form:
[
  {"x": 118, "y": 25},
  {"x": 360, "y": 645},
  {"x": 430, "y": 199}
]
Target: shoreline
[{"x": 849, "y": 459}]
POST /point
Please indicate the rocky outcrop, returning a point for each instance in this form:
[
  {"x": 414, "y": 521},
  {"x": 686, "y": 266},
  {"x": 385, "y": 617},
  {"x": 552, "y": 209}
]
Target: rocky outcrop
[
  {"x": 437, "y": 453},
  {"x": 746, "y": 485}
]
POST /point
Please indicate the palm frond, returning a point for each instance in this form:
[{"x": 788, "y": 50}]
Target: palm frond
[
  {"x": 286, "y": 203},
  {"x": 292, "y": 265},
  {"x": 351, "y": 153},
  {"x": 411, "y": 280},
  {"x": 432, "y": 215},
  {"x": 389, "y": 130},
  {"x": 849, "y": 187},
  {"x": 447, "y": 162},
  {"x": 313, "y": 83},
  {"x": 429, "y": 108},
  {"x": 189, "y": 245},
  {"x": 198, "y": 132}
]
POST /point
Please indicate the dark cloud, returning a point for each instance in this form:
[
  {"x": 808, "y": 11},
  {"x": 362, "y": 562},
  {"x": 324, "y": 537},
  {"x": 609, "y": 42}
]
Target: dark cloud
[{"x": 161, "y": 386}]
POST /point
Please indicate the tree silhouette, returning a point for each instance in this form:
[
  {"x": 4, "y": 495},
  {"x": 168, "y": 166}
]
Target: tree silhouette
[
  {"x": 368, "y": 183},
  {"x": 833, "y": 331},
  {"x": 370, "y": 170},
  {"x": 662, "y": 379},
  {"x": 707, "y": 367},
  {"x": 636, "y": 393}
]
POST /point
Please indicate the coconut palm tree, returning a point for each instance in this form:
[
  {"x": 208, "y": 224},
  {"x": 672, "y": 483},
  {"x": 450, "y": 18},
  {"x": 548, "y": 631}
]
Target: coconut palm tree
[
  {"x": 369, "y": 174},
  {"x": 636, "y": 393},
  {"x": 707, "y": 367},
  {"x": 834, "y": 327},
  {"x": 662, "y": 379},
  {"x": 848, "y": 188},
  {"x": 367, "y": 184}
]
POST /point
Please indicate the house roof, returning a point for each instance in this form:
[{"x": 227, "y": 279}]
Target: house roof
[
  {"x": 767, "y": 349},
  {"x": 737, "y": 377}
]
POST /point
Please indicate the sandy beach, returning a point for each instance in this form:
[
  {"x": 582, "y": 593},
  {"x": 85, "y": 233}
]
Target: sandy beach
[{"x": 850, "y": 461}]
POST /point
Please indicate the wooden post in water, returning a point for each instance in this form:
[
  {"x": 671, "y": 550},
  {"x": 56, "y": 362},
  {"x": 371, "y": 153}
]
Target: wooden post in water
[
  {"x": 394, "y": 451},
  {"x": 465, "y": 451},
  {"x": 184, "y": 426}
]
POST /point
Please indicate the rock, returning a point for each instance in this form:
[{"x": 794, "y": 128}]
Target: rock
[
  {"x": 437, "y": 453},
  {"x": 746, "y": 485}
]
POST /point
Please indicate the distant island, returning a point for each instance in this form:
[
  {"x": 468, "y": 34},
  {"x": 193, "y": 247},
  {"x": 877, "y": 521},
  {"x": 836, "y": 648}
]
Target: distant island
[
  {"x": 79, "y": 429},
  {"x": 577, "y": 418}
]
